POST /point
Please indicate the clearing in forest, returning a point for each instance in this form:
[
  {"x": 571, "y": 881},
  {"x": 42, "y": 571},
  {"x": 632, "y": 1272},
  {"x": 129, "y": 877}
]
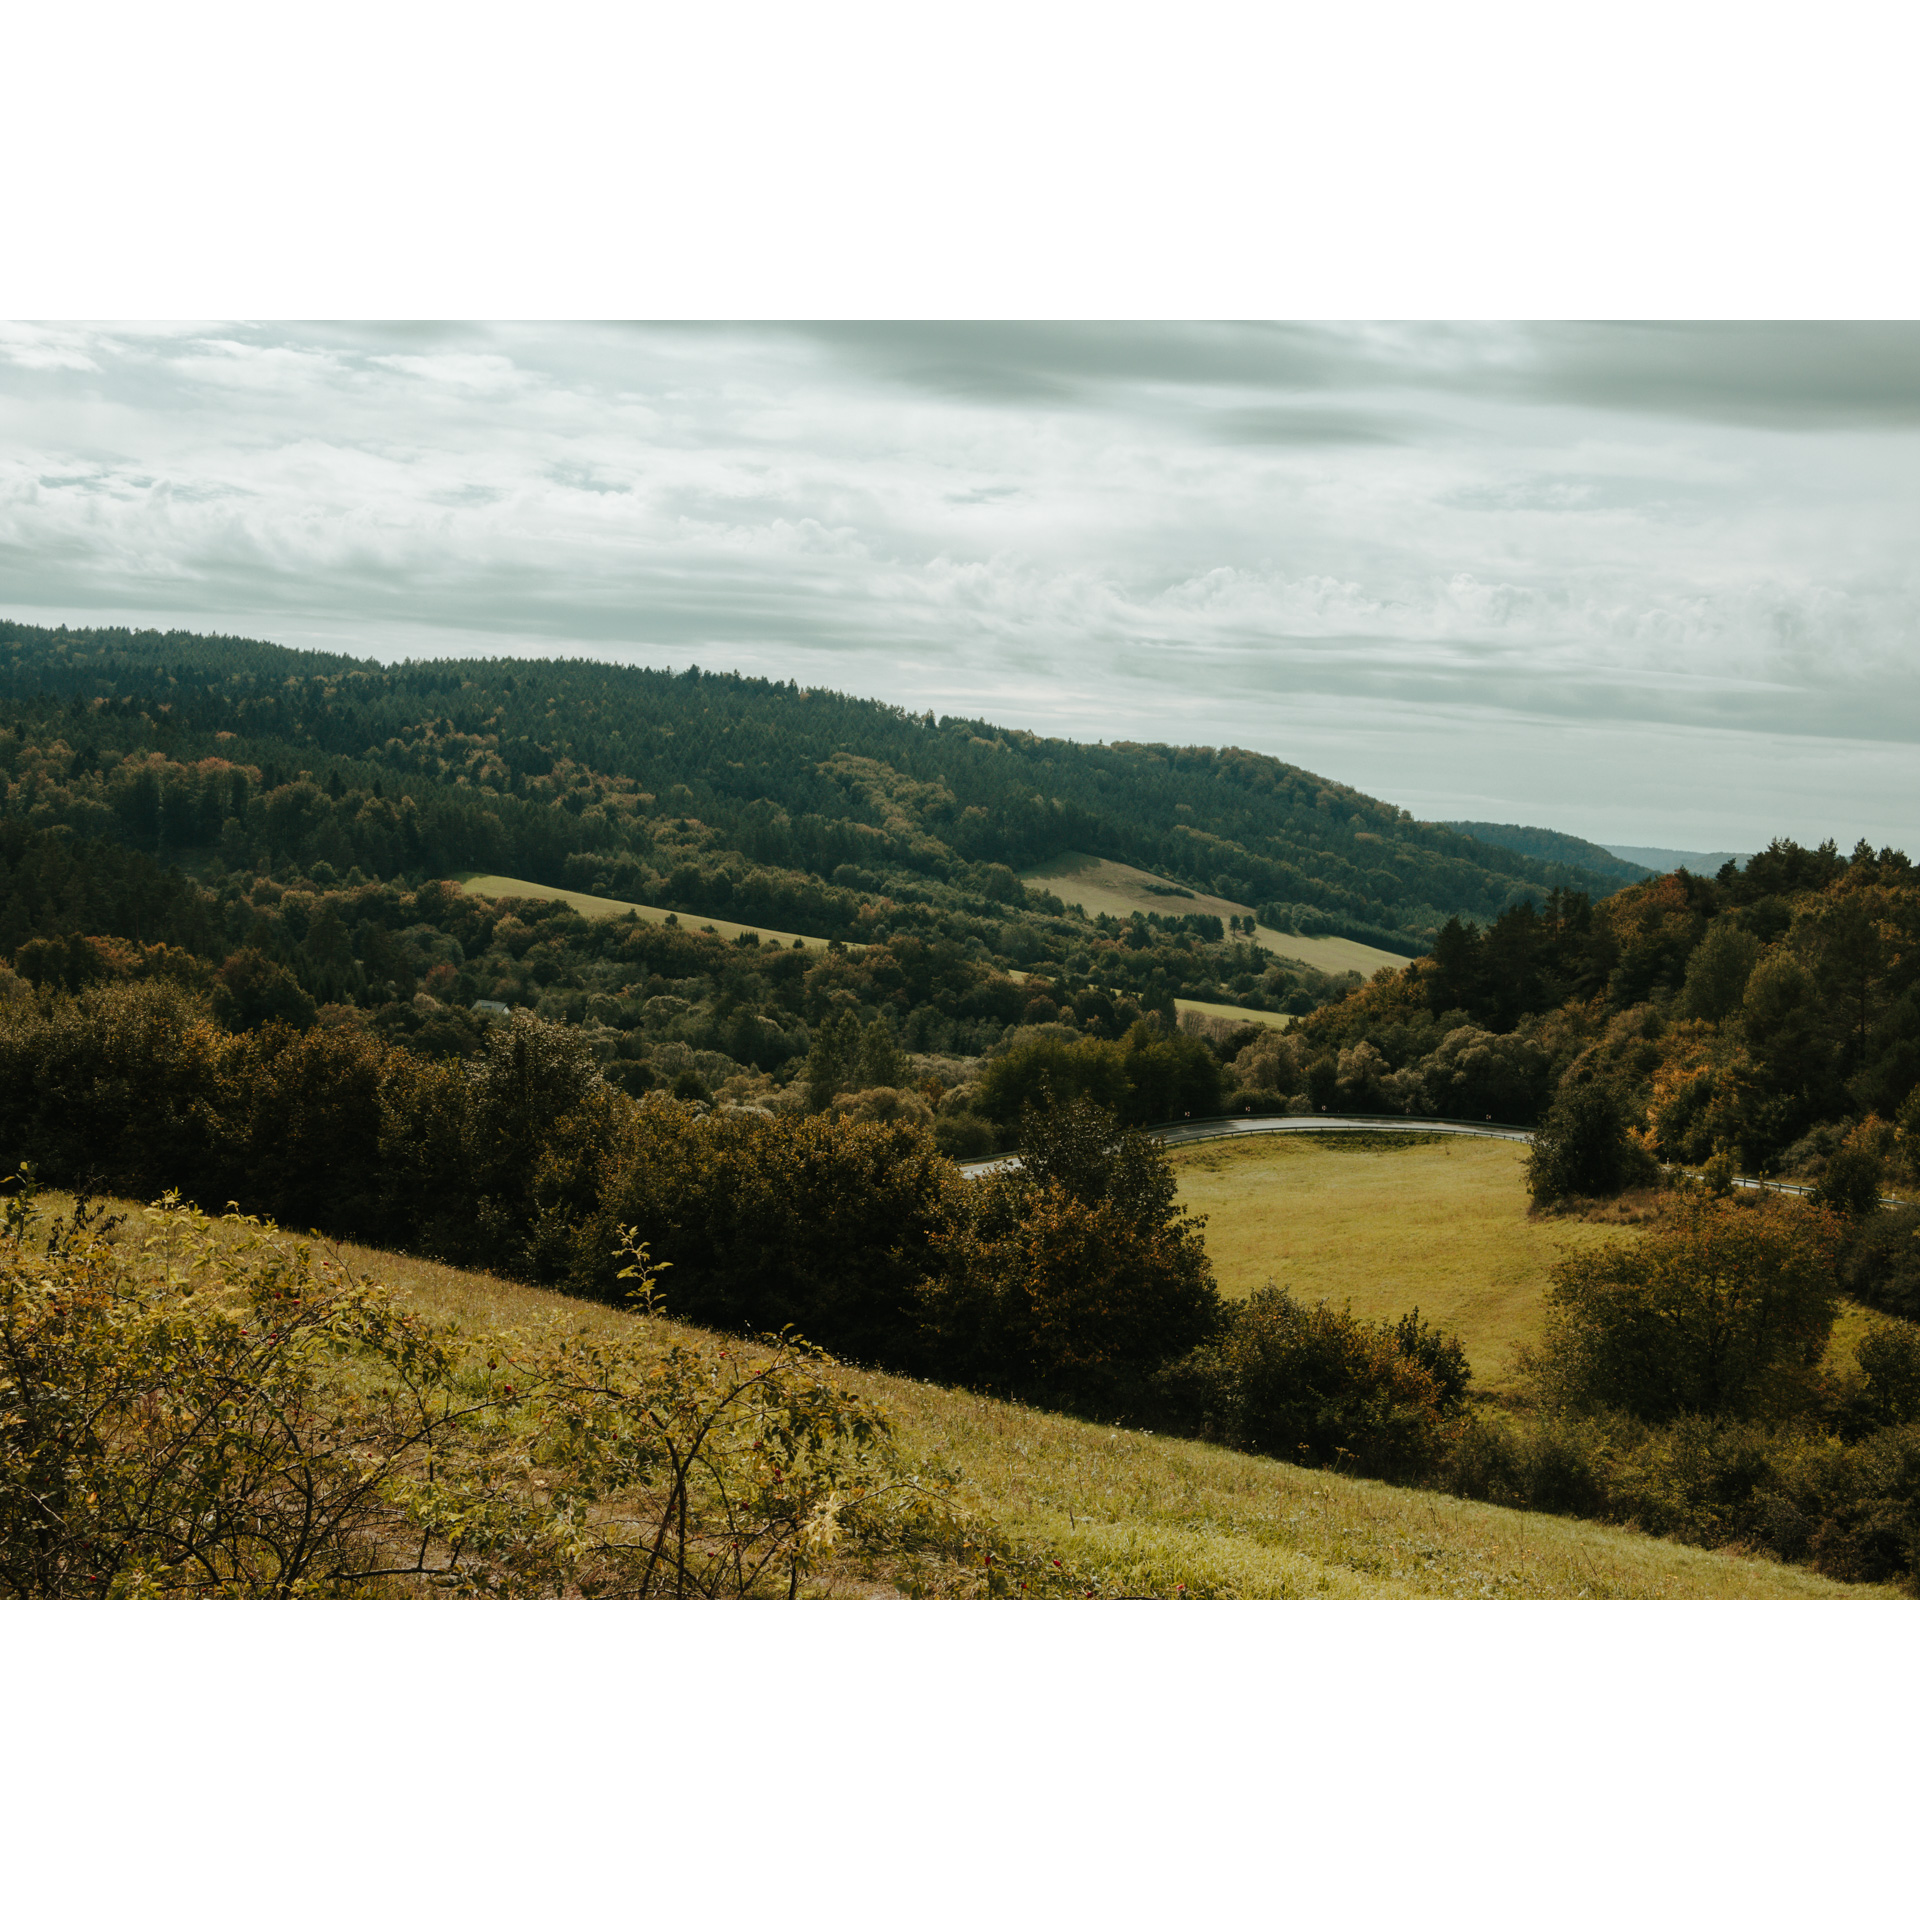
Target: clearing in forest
[
  {"x": 497, "y": 886},
  {"x": 1105, "y": 886},
  {"x": 1388, "y": 1222}
]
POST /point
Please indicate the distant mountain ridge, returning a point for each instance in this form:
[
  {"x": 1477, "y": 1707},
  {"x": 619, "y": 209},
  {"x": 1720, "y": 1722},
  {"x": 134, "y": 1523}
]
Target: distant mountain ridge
[
  {"x": 733, "y": 793},
  {"x": 1665, "y": 859},
  {"x": 1610, "y": 864}
]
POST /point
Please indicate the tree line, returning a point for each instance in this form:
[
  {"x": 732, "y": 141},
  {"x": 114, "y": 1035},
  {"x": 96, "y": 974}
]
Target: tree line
[{"x": 534, "y": 762}]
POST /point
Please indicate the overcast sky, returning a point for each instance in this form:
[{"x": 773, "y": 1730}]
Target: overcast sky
[{"x": 1651, "y": 584}]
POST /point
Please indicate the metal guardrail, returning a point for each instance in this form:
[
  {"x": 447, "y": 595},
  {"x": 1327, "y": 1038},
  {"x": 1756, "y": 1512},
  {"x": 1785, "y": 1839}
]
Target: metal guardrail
[{"x": 1226, "y": 1126}]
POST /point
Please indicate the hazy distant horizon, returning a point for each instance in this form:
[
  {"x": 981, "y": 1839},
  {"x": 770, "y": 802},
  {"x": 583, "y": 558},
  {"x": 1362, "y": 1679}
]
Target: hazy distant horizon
[{"x": 1649, "y": 585}]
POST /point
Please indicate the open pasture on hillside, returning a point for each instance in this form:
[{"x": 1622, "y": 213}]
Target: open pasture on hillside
[
  {"x": 1106, "y": 886},
  {"x": 1122, "y": 1513},
  {"x": 1234, "y": 1016},
  {"x": 1388, "y": 1222},
  {"x": 1140, "y": 1514},
  {"x": 497, "y": 886}
]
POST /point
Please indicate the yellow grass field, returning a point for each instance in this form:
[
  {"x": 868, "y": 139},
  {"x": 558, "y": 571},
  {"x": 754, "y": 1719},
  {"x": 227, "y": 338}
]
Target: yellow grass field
[
  {"x": 1394, "y": 1222},
  {"x": 1388, "y": 1223},
  {"x": 497, "y": 886},
  {"x": 1105, "y": 886},
  {"x": 1238, "y": 1015}
]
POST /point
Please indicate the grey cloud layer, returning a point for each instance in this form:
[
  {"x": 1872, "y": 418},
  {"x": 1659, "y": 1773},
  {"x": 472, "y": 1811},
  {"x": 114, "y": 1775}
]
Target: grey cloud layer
[{"x": 1314, "y": 540}]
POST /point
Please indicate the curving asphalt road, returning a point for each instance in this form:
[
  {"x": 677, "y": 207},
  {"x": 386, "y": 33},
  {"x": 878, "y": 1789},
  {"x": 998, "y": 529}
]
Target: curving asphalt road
[{"x": 1223, "y": 1126}]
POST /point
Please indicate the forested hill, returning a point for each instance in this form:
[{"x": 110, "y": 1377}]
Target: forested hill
[
  {"x": 568, "y": 772},
  {"x": 1606, "y": 872}
]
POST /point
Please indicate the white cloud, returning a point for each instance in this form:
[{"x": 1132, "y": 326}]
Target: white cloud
[{"x": 1522, "y": 533}]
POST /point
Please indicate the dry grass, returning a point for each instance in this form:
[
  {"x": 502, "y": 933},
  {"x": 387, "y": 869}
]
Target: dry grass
[
  {"x": 1211, "y": 1018},
  {"x": 1106, "y": 886},
  {"x": 1141, "y": 1514},
  {"x": 1387, "y": 1222},
  {"x": 497, "y": 886}
]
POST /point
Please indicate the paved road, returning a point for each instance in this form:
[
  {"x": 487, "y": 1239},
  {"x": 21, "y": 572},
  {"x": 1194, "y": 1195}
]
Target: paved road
[{"x": 1224, "y": 1126}]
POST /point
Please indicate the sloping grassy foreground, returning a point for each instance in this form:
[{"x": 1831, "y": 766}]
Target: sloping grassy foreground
[{"x": 1143, "y": 1515}]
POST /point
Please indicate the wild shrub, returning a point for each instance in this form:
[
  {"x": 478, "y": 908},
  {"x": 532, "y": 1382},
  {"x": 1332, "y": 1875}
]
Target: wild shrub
[
  {"x": 1850, "y": 1186},
  {"x": 1314, "y": 1385},
  {"x": 811, "y": 1221},
  {"x": 296, "y": 1125},
  {"x": 1887, "y": 1393},
  {"x": 1073, "y": 1276},
  {"x": 1881, "y": 1265},
  {"x": 217, "y": 1412},
  {"x": 1551, "y": 1465},
  {"x": 1584, "y": 1148},
  {"x": 1709, "y": 1482},
  {"x": 1865, "y": 1510},
  {"x": 179, "y": 1425},
  {"x": 1717, "y": 1309},
  {"x": 1438, "y": 1352},
  {"x": 111, "y": 1087}
]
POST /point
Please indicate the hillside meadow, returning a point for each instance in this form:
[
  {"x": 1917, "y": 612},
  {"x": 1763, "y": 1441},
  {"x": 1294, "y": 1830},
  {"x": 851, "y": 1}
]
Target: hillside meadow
[
  {"x": 1095, "y": 885},
  {"x": 593, "y": 906},
  {"x": 1135, "y": 1515},
  {"x": 1387, "y": 1222},
  {"x": 1391, "y": 1222}
]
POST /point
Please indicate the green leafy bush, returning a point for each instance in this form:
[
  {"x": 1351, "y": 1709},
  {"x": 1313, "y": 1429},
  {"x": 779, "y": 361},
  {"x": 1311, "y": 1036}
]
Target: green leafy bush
[
  {"x": 1584, "y": 1148},
  {"x": 1438, "y": 1352},
  {"x": 1850, "y": 1186},
  {"x": 1150, "y": 1076},
  {"x": 811, "y": 1221},
  {"x": 210, "y": 1410},
  {"x": 1881, "y": 1265},
  {"x": 1551, "y": 1465},
  {"x": 1718, "y": 1309},
  {"x": 1072, "y": 1277},
  {"x": 1314, "y": 1385},
  {"x": 111, "y": 1087}
]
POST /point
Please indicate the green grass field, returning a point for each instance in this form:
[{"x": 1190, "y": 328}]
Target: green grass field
[
  {"x": 498, "y": 886},
  {"x": 1106, "y": 886},
  {"x": 1391, "y": 1222},
  {"x": 1143, "y": 1515},
  {"x": 1387, "y": 1222}
]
